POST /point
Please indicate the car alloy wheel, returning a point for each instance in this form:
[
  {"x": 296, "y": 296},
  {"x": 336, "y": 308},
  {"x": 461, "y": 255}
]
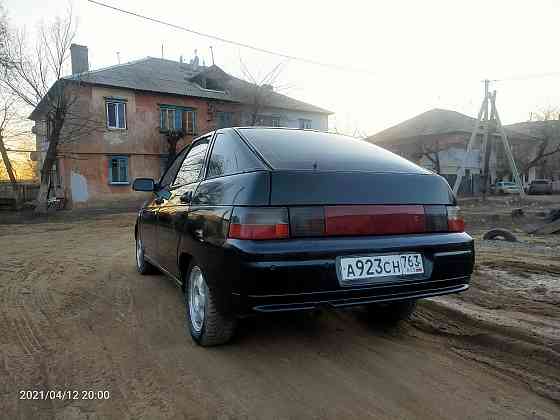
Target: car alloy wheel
[
  {"x": 139, "y": 254},
  {"x": 143, "y": 266},
  {"x": 207, "y": 325},
  {"x": 197, "y": 299}
]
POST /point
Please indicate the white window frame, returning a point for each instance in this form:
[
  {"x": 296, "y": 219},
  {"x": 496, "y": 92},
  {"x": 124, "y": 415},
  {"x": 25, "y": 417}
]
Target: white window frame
[
  {"x": 167, "y": 111},
  {"x": 116, "y": 127}
]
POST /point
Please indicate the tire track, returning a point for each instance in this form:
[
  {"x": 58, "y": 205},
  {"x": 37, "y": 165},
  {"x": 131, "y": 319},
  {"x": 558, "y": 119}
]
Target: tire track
[{"x": 14, "y": 313}]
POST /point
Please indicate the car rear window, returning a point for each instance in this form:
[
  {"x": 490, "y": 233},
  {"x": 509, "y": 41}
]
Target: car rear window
[{"x": 311, "y": 150}]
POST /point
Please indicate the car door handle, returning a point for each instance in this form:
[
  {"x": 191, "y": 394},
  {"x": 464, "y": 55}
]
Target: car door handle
[{"x": 186, "y": 197}]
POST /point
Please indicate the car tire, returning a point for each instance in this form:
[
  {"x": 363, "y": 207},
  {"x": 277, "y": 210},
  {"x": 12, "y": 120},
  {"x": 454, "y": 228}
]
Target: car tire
[
  {"x": 493, "y": 234},
  {"x": 391, "y": 313},
  {"x": 207, "y": 326},
  {"x": 143, "y": 266}
]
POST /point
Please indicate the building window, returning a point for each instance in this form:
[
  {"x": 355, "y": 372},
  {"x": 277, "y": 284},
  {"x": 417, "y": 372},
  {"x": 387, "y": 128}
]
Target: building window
[
  {"x": 267, "y": 121},
  {"x": 116, "y": 114},
  {"x": 170, "y": 119},
  {"x": 176, "y": 119},
  {"x": 118, "y": 170},
  {"x": 224, "y": 119},
  {"x": 303, "y": 123}
]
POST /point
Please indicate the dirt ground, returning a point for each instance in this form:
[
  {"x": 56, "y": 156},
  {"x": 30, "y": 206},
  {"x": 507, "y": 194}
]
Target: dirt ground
[{"x": 75, "y": 315}]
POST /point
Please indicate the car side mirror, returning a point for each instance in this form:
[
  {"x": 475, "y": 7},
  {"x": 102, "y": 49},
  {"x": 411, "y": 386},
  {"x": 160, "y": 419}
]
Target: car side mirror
[{"x": 144, "y": 184}]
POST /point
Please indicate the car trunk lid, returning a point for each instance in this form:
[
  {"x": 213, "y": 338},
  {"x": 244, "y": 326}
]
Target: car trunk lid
[{"x": 292, "y": 188}]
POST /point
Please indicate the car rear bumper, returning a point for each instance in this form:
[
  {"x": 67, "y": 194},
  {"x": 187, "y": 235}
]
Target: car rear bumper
[
  {"x": 338, "y": 299},
  {"x": 301, "y": 274}
]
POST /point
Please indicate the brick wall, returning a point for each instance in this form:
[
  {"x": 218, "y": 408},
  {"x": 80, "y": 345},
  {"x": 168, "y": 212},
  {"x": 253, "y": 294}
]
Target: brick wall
[{"x": 84, "y": 160}]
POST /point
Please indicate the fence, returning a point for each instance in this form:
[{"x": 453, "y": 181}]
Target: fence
[{"x": 14, "y": 196}]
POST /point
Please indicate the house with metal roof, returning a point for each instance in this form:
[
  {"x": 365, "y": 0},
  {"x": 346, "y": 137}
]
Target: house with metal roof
[{"x": 138, "y": 113}]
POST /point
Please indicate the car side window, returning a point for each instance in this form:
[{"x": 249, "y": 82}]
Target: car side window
[
  {"x": 171, "y": 172},
  {"x": 193, "y": 164},
  {"x": 231, "y": 156}
]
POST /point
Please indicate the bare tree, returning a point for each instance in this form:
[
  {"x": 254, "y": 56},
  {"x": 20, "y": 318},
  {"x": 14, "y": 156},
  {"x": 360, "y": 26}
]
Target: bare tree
[
  {"x": 173, "y": 137},
  {"x": 260, "y": 91},
  {"x": 8, "y": 116},
  {"x": 35, "y": 75},
  {"x": 3, "y": 35},
  {"x": 432, "y": 151},
  {"x": 545, "y": 127}
]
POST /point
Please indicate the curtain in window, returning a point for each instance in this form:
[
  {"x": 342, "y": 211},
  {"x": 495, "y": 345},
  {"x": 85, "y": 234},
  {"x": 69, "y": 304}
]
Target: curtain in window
[{"x": 112, "y": 114}]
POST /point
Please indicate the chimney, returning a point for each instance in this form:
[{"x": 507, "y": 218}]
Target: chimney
[{"x": 79, "y": 56}]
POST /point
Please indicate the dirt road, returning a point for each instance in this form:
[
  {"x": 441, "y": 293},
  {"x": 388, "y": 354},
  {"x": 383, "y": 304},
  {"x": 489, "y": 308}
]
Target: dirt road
[{"x": 74, "y": 315}]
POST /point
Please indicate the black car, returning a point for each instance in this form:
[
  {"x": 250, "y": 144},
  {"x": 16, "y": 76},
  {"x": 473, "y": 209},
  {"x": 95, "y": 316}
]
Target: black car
[{"x": 268, "y": 219}]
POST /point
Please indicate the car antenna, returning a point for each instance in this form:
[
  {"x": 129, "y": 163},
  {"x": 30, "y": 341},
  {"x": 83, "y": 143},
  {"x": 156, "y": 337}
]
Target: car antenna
[{"x": 315, "y": 165}]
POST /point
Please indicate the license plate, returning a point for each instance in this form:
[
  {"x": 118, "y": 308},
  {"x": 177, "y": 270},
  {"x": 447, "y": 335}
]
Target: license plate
[{"x": 357, "y": 269}]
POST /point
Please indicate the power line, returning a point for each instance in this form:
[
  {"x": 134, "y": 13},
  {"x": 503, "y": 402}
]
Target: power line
[
  {"x": 528, "y": 77},
  {"x": 238, "y": 44}
]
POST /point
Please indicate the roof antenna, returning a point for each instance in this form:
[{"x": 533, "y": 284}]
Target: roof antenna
[
  {"x": 212, "y": 52},
  {"x": 119, "y": 57},
  {"x": 162, "y": 50}
]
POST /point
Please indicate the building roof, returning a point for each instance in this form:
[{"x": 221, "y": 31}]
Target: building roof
[
  {"x": 434, "y": 122},
  {"x": 537, "y": 129},
  {"x": 166, "y": 76}
]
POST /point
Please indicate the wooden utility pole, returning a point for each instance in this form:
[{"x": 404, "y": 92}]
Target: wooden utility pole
[
  {"x": 476, "y": 130},
  {"x": 486, "y": 148},
  {"x": 488, "y": 130},
  {"x": 507, "y": 147}
]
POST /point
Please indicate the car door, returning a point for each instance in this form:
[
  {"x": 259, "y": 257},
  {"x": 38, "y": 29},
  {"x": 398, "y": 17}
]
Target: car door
[
  {"x": 175, "y": 206},
  {"x": 147, "y": 229},
  {"x": 149, "y": 214}
]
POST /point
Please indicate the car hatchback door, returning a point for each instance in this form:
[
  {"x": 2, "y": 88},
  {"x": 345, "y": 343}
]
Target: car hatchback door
[{"x": 173, "y": 212}]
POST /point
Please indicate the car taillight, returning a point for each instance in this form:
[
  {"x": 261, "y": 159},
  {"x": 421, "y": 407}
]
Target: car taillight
[
  {"x": 307, "y": 221},
  {"x": 258, "y": 223},
  {"x": 374, "y": 220},
  {"x": 455, "y": 222},
  {"x": 436, "y": 218}
]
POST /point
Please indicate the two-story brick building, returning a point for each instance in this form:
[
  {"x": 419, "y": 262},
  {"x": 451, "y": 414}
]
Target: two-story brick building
[{"x": 132, "y": 107}]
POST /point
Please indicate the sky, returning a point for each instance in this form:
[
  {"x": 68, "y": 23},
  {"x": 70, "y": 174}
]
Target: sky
[{"x": 410, "y": 56}]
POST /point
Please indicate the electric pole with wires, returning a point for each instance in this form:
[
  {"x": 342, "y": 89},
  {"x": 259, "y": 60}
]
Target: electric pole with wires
[{"x": 489, "y": 125}]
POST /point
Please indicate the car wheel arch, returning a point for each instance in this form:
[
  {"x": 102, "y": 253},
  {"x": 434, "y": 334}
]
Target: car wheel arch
[{"x": 184, "y": 262}]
